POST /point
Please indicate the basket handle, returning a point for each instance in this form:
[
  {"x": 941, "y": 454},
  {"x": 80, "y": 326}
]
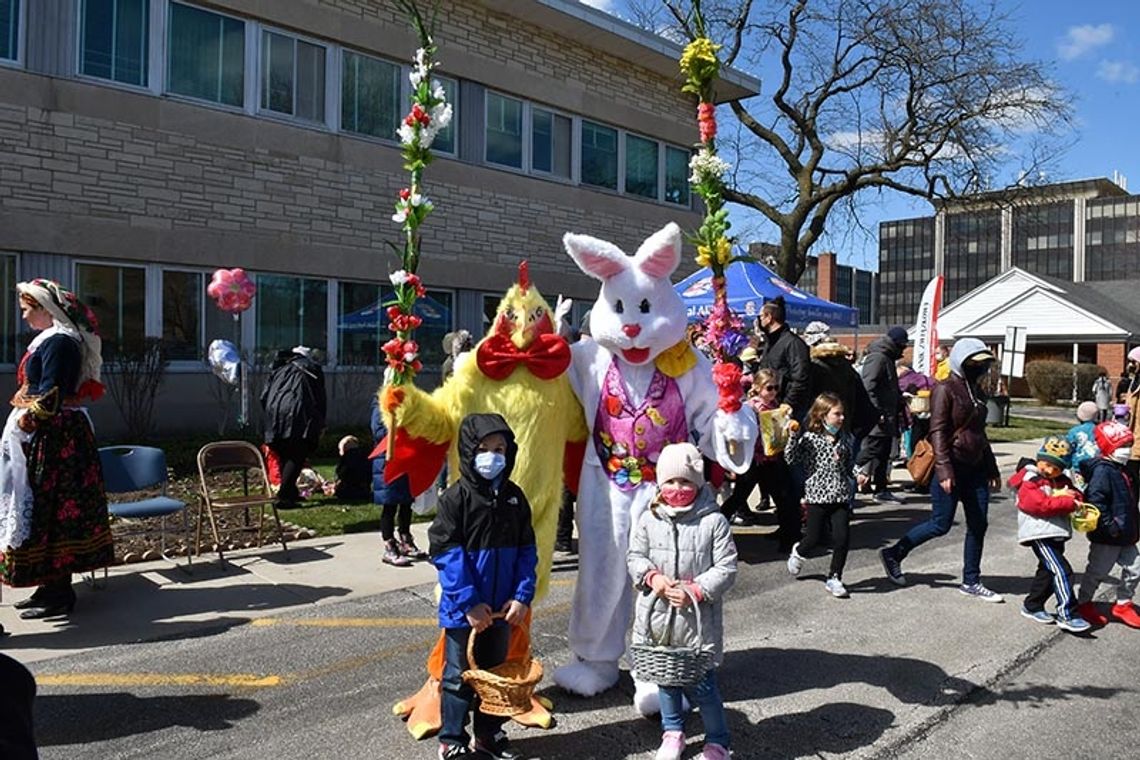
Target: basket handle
[
  {"x": 471, "y": 641},
  {"x": 668, "y": 634}
]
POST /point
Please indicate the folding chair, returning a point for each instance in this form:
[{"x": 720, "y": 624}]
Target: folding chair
[
  {"x": 248, "y": 492},
  {"x": 130, "y": 469}
]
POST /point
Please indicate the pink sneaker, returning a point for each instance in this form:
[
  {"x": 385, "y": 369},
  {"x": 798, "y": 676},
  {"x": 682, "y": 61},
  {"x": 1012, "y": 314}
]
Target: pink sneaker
[
  {"x": 714, "y": 752},
  {"x": 672, "y": 746}
]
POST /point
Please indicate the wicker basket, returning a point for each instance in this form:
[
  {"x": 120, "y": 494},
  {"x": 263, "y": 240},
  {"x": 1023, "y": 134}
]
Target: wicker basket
[
  {"x": 668, "y": 665},
  {"x": 505, "y": 689},
  {"x": 918, "y": 404}
]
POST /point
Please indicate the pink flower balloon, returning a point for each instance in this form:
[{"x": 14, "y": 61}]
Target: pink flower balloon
[{"x": 232, "y": 290}]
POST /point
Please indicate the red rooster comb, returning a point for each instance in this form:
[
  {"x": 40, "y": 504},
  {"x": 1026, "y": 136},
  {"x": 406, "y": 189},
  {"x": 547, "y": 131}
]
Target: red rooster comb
[{"x": 524, "y": 277}]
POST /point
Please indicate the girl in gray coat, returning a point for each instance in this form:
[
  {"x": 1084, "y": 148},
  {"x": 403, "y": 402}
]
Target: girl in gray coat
[{"x": 680, "y": 550}]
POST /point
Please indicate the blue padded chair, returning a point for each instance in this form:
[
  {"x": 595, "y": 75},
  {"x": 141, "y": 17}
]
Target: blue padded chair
[{"x": 129, "y": 469}]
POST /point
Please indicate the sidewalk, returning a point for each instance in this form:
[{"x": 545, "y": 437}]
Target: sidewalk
[{"x": 153, "y": 601}]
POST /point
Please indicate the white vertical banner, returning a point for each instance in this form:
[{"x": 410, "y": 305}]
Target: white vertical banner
[{"x": 926, "y": 328}]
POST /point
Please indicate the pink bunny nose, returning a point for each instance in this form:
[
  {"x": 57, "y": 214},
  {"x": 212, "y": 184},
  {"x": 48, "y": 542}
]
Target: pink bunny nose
[{"x": 631, "y": 330}]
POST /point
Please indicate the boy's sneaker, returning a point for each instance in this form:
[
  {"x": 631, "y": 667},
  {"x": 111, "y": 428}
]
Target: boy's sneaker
[
  {"x": 978, "y": 591},
  {"x": 452, "y": 751},
  {"x": 886, "y": 497},
  {"x": 409, "y": 549},
  {"x": 1092, "y": 614},
  {"x": 714, "y": 752},
  {"x": 1074, "y": 625},
  {"x": 891, "y": 566},
  {"x": 795, "y": 561},
  {"x": 672, "y": 746},
  {"x": 496, "y": 746},
  {"x": 836, "y": 588},
  {"x": 1039, "y": 616},
  {"x": 1126, "y": 613},
  {"x": 392, "y": 556}
]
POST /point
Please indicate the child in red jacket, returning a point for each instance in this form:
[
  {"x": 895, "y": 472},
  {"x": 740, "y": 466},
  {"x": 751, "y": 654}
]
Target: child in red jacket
[{"x": 1045, "y": 499}]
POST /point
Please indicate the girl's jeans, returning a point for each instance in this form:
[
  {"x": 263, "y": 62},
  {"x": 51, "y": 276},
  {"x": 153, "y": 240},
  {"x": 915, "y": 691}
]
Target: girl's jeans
[
  {"x": 704, "y": 695},
  {"x": 972, "y": 489}
]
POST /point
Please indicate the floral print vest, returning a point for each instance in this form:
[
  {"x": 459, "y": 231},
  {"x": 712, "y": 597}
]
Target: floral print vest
[{"x": 629, "y": 440}]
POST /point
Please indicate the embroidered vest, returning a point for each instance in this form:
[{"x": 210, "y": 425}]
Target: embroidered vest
[{"x": 629, "y": 440}]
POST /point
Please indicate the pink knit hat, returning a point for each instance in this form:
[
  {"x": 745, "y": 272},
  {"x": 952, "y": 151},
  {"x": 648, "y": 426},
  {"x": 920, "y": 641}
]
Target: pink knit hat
[{"x": 1086, "y": 411}]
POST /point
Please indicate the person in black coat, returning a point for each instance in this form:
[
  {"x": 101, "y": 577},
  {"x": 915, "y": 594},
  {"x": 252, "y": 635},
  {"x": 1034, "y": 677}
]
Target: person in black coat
[
  {"x": 787, "y": 355},
  {"x": 881, "y": 381},
  {"x": 353, "y": 471},
  {"x": 294, "y": 403}
]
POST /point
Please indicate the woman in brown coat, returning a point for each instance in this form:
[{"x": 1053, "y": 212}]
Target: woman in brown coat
[{"x": 964, "y": 468}]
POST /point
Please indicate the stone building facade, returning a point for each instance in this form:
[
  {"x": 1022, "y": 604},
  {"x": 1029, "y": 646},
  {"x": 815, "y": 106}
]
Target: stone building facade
[{"x": 144, "y": 143}]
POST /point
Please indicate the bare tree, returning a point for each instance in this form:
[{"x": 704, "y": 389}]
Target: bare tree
[
  {"x": 133, "y": 378},
  {"x": 932, "y": 98}
]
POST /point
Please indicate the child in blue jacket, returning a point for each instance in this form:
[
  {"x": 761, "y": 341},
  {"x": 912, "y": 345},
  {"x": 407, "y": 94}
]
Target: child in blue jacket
[{"x": 482, "y": 543}]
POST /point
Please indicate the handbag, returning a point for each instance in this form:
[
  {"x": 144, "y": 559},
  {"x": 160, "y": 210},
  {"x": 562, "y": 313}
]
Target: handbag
[{"x": 921, "y": 462}]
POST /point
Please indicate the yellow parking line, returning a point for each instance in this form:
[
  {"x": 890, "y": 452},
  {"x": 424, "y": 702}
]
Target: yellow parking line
[{"x": 158, "y": 679}]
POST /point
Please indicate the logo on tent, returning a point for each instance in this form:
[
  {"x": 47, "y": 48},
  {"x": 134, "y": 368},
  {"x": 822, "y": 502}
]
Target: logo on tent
[
  {"x": 787, "y": 288},
  {"x": 698, "y": 288},
  {"x": 750, "y": 309}
]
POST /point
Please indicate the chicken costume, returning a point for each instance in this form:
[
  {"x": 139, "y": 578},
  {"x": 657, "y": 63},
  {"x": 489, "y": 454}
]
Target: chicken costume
[
  {"x": 642, "y": 387},
  {"x": 519, "y": 370}
]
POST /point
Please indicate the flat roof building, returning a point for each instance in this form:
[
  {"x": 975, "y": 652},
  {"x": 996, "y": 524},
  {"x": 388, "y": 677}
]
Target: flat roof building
[{"x": 144, "y": 143}]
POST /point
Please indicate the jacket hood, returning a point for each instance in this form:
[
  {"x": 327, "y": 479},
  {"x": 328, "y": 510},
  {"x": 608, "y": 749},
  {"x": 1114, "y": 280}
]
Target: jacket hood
[
  {"x": 473, "y": 429},
  {"x": 831, "y": 350},
  {"x": 884, "y": 345},
  {"x": 963, "y": 350}
]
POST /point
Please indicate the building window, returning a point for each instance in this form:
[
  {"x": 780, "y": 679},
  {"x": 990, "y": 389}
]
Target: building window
[
  {"x": 114, "y": 40},
  {"x": 504, "y": 131},
  {"x": 676, "y": 175},
  {"x": 117, "y": 295},
  {"x": 362, "y": 325},
  {"x": 189, "y": 319},
  {"x": 599, "y": 155},
  {"x": 9, "y": 29},
  {"x": 551, "y": 147},
  {"x": 292, "y": 77},
  {"x": 370, "y": 96},
  {"x": 291, "y": 311},
  {"x": 10, "y": 325},
  {"x": 445, "y": 139},
  {"x": 641, "y": 166},
  {"x": 206, "y": 55}
]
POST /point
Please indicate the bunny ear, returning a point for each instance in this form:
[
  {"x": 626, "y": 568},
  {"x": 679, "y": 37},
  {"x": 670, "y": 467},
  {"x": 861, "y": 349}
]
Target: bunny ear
[
  {"x": 660, "y": 255},
  {"x": 595, "y": 257}
]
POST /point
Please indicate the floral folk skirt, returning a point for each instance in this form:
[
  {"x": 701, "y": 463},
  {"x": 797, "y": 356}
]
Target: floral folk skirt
[{"x": 69, "y": 530}]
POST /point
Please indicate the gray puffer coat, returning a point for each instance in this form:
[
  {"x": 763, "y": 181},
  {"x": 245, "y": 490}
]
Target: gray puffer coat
[{"x": 695, "y": 545}]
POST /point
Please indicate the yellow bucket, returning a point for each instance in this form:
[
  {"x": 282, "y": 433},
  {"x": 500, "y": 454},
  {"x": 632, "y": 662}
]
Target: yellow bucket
[{"x": 1085, "y": 519}]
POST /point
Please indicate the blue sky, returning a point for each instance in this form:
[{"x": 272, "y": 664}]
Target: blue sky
[{"x": 1093, "y": 50}]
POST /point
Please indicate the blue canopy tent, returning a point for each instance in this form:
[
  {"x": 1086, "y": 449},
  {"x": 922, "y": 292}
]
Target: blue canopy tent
[
  {"x": 375, "y": 316},
  {"x": 749, "y": 285}
]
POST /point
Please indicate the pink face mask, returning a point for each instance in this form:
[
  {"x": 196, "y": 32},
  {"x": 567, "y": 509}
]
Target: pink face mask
[{"x": 679, "y": 496}]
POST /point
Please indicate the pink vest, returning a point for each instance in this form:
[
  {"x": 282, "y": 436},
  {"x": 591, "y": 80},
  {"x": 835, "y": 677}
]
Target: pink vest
[{"x": 629, "y": 440}]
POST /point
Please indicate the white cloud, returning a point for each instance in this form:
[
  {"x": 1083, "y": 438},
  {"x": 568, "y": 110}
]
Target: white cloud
[
  {"x": 1079, "y": 40},
  {"x": 1118, "y": 71},
  {"x": 603, "y": 5}
]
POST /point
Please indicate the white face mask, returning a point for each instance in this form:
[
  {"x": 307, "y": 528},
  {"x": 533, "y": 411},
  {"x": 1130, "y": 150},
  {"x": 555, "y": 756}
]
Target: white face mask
[
  {"x": 489, "y": 464},
  {"x": 1122, "y": 455}
]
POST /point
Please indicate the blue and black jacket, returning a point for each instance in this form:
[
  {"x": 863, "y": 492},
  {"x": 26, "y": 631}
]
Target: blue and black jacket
[
  {"x": 1109, "y": 491},
  {"x": 481, "y": 540}
]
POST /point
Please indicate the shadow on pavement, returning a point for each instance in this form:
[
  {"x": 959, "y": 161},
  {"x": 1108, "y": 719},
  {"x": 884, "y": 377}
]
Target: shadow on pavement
[
  {"x": 1013, "y": 585},
  {"x": 836, "y": 728},
  {"x": 87, "y": 718},
  {"x": 1046, "y": 695},
  {"x": 788, "y": 671},
  {"x": 103, "y": 618}
]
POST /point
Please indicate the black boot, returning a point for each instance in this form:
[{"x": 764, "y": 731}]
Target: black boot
[
  {"x": 34, "y": 599},
  {"x": 57, "y": 601}
]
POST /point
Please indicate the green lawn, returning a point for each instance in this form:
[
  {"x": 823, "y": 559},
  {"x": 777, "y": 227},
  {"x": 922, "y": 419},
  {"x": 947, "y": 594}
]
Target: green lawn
[{"x": 1023, "y": 428}]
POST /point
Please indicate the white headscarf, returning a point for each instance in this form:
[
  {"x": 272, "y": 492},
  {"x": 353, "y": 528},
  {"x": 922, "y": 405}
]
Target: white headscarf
[{"x": 73, "y": 318}]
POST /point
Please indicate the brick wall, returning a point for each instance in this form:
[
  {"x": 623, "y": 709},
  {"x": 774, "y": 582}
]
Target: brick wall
[{"x": 1111, "y": 357}]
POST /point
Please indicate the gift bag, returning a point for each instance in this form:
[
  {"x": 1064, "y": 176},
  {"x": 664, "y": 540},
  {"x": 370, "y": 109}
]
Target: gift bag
[{"x": 774, "y": 430}]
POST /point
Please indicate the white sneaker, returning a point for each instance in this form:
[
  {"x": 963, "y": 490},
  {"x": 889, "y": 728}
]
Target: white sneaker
[
  {"x": 795, "y": 561},
  {"x": 836, "y": 588},
  {"x": 978, "y": 591}
]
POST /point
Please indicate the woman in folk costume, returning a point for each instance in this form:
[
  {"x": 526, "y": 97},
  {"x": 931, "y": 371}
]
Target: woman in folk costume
[
  {"x": 520, "y": 370},
  {"x": 53, "y": 509}
]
